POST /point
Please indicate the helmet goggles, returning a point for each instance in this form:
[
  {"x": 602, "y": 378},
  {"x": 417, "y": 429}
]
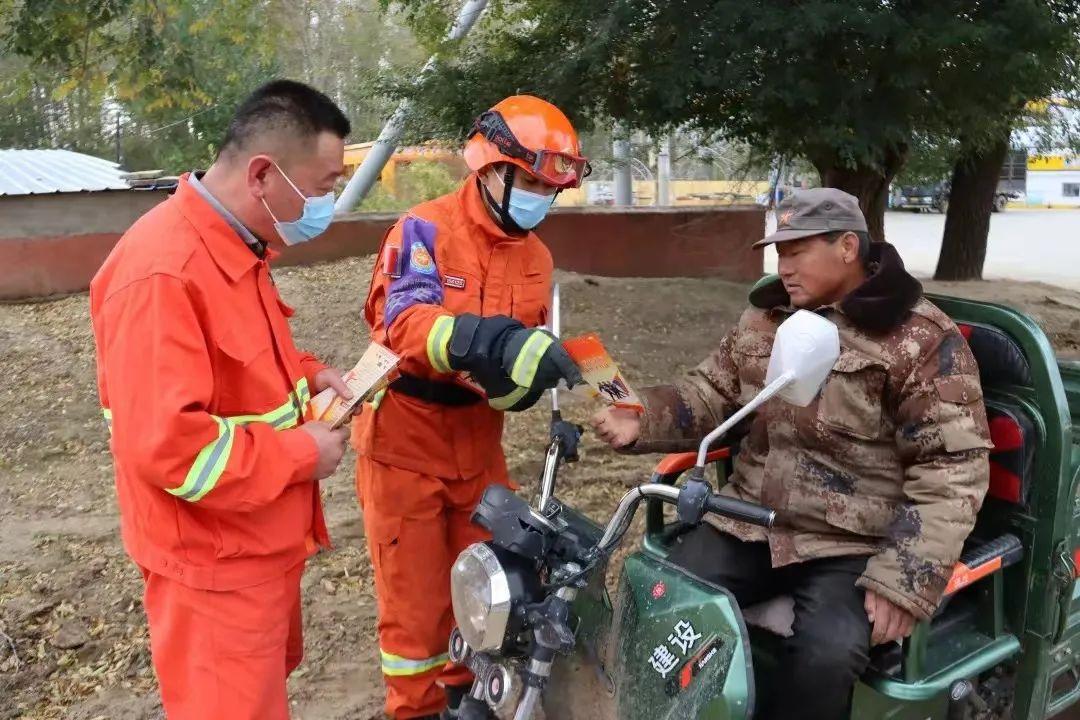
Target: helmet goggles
[{"x": 559, "y": 169}]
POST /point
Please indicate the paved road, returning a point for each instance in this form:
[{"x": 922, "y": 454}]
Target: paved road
[{"x": 1039, "y": 245}]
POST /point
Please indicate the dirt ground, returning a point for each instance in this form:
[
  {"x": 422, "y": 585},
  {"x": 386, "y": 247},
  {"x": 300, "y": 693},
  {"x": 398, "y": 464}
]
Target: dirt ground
[{"x": 73, "y": 640}]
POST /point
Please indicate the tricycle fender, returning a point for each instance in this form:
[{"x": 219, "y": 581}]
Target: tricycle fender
[{"x": 671, "y": 646}]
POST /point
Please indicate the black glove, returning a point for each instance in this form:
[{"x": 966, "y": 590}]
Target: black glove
[
  {"x": 513, "y": 364},
  {"x": 535, "y": 358},
  {"x": 569, "y": 433},
  {"x": 476, "y": 344},
  {"x": 503, "y": 394}
]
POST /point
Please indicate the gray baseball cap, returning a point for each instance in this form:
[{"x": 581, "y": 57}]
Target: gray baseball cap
[{"x": 806, "y": 213}]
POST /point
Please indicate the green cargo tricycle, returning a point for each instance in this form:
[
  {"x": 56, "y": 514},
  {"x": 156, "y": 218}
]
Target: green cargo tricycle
[{"x": 538, "y": 627}]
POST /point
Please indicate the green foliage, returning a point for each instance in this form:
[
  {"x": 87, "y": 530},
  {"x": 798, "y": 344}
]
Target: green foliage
[
  {"x": 929, "y": 162},
  {"x": 173, "y": 71},
  {"x": 24, "y": 100},
  {"x": 415, "y": 183},
  {"x": 845, "y": 83}
]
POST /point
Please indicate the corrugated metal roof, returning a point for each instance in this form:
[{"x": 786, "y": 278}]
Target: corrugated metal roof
[{"x": 38, "y": 172}]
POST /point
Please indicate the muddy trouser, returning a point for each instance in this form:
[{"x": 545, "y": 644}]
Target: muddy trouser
[
  {"x": 819, "y": 664},
  {"x": 416, "y": 525}
]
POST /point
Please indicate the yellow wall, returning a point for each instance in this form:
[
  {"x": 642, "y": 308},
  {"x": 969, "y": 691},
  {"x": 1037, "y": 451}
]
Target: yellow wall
[{"x": 1053, "y": 162}]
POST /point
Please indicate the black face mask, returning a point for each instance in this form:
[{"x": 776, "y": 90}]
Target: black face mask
[{"x": 502, "y": 209}]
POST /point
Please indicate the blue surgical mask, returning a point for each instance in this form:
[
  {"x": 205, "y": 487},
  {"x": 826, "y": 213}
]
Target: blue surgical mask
[
  {"x": 527, "y": 209},
  {"x": 313, "y": 221}
]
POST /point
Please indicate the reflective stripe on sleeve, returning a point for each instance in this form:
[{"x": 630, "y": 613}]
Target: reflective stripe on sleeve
[
  {"x": 209, "y": 463},
  {"x": 285, "y": 416},
  {"x": 509, "y": 400},
  {"x": 528, "y": 360},
  {"x": 438, "y": 343}
]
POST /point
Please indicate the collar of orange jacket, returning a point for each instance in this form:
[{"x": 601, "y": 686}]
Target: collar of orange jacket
[
  {"x": 225, "y": 246},
  {"x": 472, "y": 199}
]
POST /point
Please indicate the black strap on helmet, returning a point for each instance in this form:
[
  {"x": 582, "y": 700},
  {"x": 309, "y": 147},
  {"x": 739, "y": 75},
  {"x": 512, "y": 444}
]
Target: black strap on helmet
[
  {"x": 493, "y": 127},
  {"x": 501, "y": 208}
]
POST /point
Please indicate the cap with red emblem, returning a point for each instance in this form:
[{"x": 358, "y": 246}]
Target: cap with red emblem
[{"x": 806, "y": 213}]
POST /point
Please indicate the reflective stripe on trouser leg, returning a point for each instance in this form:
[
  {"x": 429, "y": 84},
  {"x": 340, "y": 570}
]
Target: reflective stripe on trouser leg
[
  {"x": 397, "y": 666},
  {"x": 407, "y": 536}
]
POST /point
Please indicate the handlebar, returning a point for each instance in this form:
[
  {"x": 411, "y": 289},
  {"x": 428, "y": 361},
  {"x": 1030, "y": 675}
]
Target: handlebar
[
  {"x": 564, "y": 447},
  {"x": 741, "y": 510},
  {"x": 720, "y": 504}
]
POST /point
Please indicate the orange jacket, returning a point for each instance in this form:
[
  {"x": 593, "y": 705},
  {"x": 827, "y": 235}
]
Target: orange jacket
[
  {"x": 452, "y": 258},
  {"x": 202, "y": 388}
]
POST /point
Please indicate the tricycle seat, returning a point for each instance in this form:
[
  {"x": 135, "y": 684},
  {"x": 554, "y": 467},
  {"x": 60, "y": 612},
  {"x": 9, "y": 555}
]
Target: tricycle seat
[
  {"x": 1002, "y": 365},
  {"x": 979, "y": 560}
]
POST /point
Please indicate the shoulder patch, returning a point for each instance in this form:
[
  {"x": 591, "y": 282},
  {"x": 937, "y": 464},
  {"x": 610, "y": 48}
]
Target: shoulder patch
[
  {"x": 419, "y": 283},
  {"x": 420, "y": 259}
]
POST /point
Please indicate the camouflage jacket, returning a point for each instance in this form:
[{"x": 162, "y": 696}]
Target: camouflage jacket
[{"x": 889, "y": 461}]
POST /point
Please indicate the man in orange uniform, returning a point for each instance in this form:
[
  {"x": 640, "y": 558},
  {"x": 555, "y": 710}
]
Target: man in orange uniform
[
  {"x": 460, "y": 288},
  {"x": 203, "y": 391}
]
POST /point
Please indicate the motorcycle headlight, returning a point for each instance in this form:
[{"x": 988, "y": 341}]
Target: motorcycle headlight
[{"x": 480, "y": 592}]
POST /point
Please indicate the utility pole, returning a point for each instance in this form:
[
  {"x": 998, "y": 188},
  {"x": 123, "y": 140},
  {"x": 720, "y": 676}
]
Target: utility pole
[
  {"x": 777, "y": 180},
  {"x": 362, "y": 181},
  {"x": 620, "y": 151},
  {"x": 118, "y": 159},
  {"x": 663, "y": 171}
]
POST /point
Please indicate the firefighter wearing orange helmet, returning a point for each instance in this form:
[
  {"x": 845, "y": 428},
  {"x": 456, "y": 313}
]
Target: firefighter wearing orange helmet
[{"x": 460, "y": 288}]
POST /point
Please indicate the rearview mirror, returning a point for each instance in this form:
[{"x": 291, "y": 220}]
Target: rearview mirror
[
  {"x": 806, "y": 348},
  {"x": 804, "y": 351}
]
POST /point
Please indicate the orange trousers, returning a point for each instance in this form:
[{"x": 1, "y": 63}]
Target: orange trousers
[
  {"x": 224, "y": 655},
  {"x": 416, "y": 526}
]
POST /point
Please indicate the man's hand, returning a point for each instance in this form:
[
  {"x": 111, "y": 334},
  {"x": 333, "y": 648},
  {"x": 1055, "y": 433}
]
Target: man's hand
[
  {"x": 331, "y": 378},
  {"x": 618, "y": 427},
  {"x": 331, "y": 445},
  {"x": 890, "y": 621}
]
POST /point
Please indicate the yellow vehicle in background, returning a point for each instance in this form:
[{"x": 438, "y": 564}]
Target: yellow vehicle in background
[{"x": 402, "y": 158}]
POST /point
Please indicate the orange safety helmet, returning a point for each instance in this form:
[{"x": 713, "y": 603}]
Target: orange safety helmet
[{"x": 532, "y": 134}]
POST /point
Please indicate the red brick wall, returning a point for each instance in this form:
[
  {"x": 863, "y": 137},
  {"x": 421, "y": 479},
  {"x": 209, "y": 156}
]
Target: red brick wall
[
  {"x": 32, "y": 267},
  {"x": 632, "y": 242},
  {"x": 655, "y": 242},
  {"x": 628, "y": 242}
]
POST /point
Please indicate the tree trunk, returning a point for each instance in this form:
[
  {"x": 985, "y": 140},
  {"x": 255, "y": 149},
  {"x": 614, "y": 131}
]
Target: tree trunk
[
  {"x": 869, "y": 184},
  {"x": 967, "y": 224}
]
